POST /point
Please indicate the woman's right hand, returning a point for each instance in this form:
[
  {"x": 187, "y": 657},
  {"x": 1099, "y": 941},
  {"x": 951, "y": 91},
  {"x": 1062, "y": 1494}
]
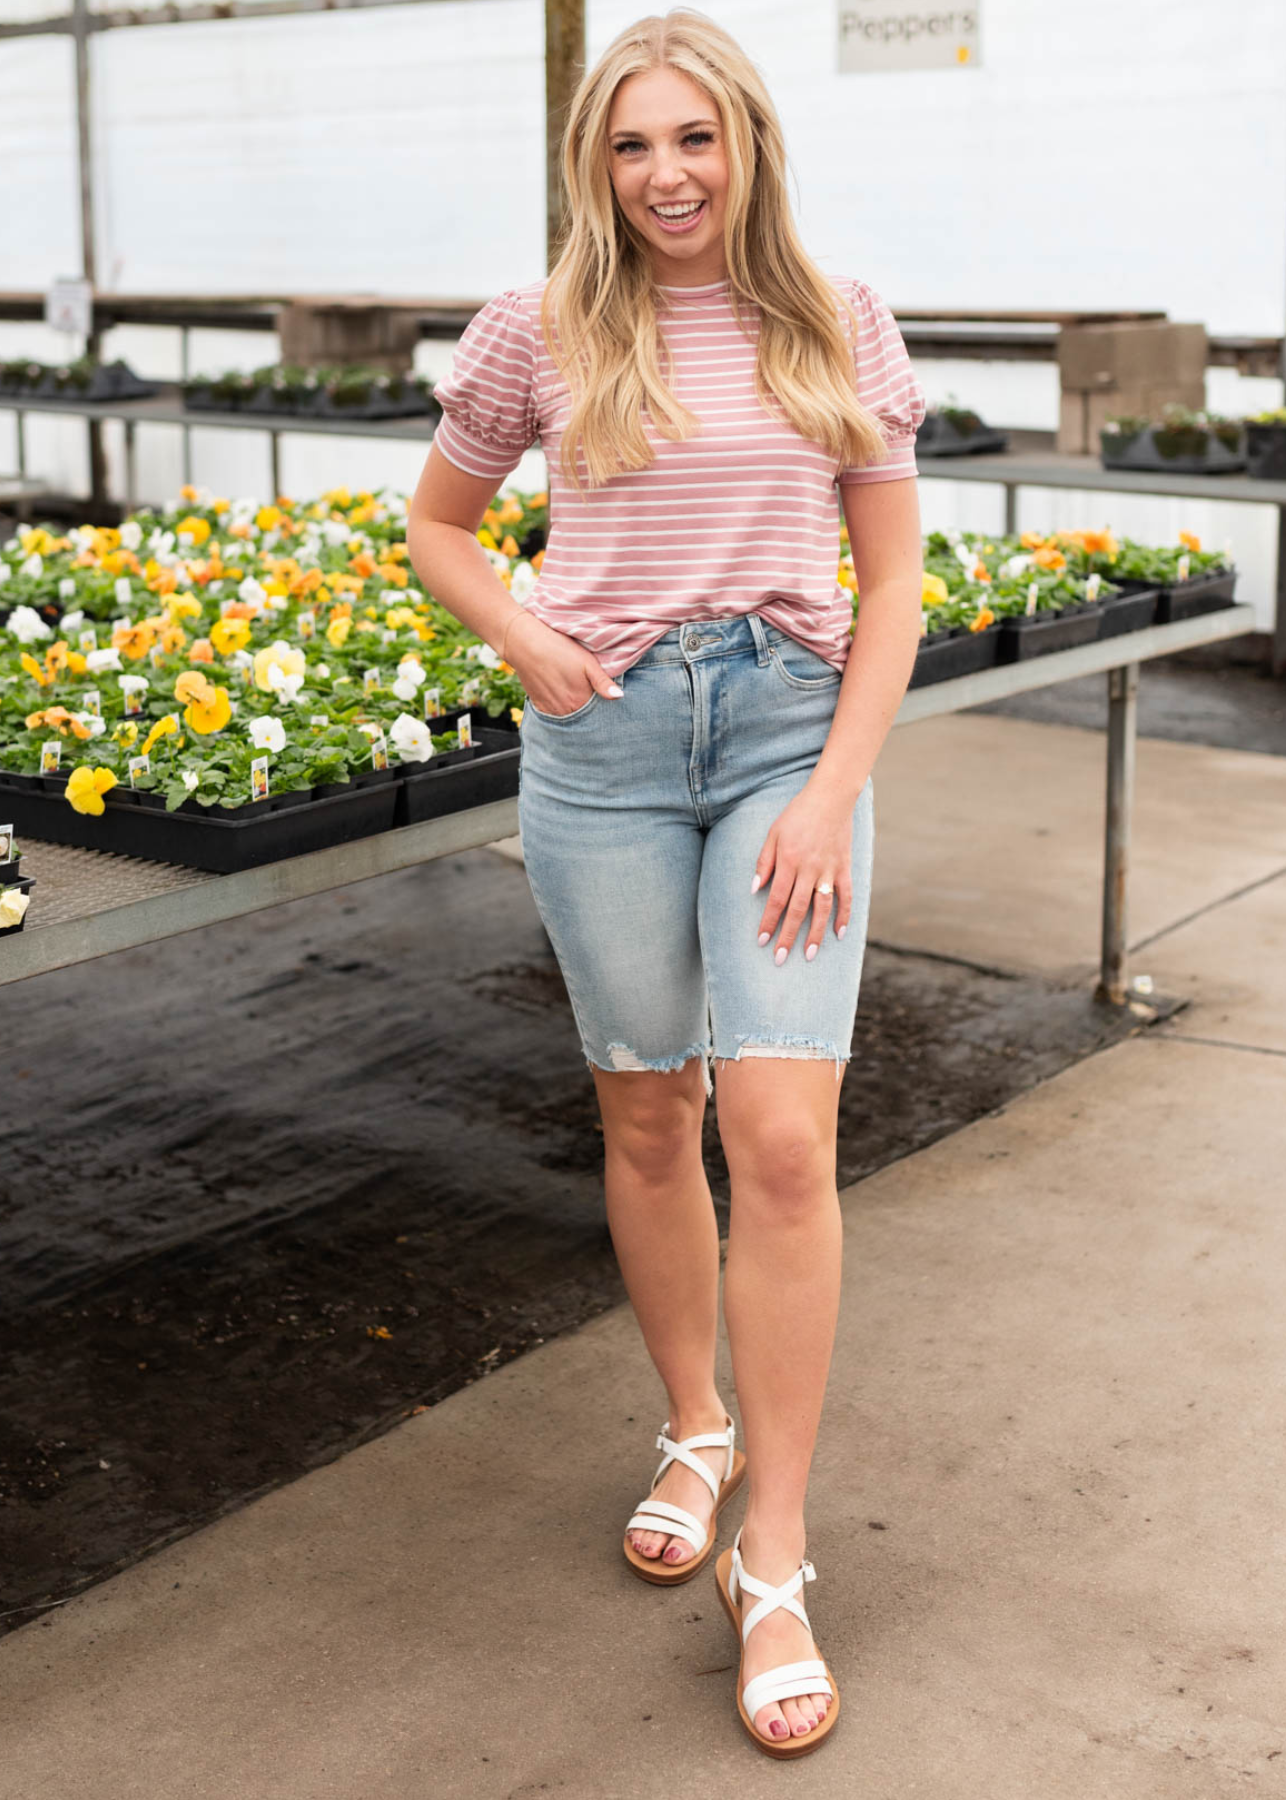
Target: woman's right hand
[{"x": 557, "y": 673}]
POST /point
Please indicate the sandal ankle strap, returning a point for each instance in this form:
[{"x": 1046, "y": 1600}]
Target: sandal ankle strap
[
  {"x": 768, "y": 1599},
  {"x": 684, "y": 1452}
]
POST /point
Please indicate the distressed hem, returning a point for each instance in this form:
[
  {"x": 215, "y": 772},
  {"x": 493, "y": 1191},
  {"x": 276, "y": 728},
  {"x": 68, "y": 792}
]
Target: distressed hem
[
  {"x": 806, "y": 1048},
  {"x": 623, "y": 1059}
]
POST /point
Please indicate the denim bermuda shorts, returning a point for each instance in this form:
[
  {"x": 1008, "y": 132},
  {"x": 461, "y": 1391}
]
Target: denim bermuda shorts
[{"x": 642, "y": 820}]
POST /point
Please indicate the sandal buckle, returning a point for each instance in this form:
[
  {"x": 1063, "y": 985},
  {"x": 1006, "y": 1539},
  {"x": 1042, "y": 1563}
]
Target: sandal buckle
[{"x": 810, "y": 1573}]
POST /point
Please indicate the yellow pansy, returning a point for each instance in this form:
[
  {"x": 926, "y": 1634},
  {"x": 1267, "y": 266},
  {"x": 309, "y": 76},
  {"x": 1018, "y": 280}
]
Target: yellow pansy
[
  {"x": 86, "y": 787},
  {"x": 126, "y": 734},
  {"x": 204, "y": 717},
  {"x": 290, "y": 662},
  {"x": 162, "y": 728},
  {"x": 337, "y": 631},
  {"x": 34, "y": 669},
  {"x": 229, "y": 635},
  {"x": 197, "y": 529},
  {"x": 933, "y": 590}
]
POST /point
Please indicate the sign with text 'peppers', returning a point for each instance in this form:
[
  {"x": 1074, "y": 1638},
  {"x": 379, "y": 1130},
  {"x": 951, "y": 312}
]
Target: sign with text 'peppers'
[{"x": 880, "y": 35}]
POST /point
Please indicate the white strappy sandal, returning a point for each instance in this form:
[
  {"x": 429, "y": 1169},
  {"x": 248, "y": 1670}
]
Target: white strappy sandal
[
  {"x": 662, "y": 1515},
  {"x": 788, "y": 1680}
]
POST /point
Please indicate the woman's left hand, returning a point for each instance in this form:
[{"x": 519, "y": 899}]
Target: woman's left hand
[{"x": 811, "y": 841}]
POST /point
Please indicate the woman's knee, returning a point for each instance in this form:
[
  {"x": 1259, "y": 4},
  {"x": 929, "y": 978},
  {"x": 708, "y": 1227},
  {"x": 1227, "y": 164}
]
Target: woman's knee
[
  {"x": 781, "y": 1161},
  {"x": 651, "y": 1117}
]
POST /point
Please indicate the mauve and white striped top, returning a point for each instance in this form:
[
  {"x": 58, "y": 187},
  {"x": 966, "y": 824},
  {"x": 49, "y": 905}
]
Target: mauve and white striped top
[{"x": 742, "y": 518}]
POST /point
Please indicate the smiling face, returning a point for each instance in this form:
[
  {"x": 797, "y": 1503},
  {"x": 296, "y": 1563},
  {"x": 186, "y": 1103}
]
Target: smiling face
[{"x": 670, "y": 172}]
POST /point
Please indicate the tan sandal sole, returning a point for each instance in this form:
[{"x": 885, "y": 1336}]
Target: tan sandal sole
[
  {"x": 662, "y": 1574},
  {"x": 780, "y": 1747}
]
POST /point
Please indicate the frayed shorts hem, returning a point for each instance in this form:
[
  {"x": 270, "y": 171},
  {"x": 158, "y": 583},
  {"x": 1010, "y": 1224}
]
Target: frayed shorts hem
[{"x": 622, "y": 1059}]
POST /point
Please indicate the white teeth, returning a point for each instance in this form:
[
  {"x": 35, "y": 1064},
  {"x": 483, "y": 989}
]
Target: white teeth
[{"x": 679, "y": 212}]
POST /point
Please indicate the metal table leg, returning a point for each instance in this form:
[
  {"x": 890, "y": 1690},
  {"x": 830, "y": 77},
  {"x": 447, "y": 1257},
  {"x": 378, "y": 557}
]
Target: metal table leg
[
  {"x": 1011, "y": 508},
  {"x": 1122, "y": 719},
  {"x": 1279, "y": 624},
  {"x": 131, "y": 493},
  {"x": 276, "y": 463}
]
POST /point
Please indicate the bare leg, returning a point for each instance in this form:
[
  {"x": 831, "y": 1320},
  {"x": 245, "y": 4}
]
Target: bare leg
[
  {"x": 663, "y": 1228},
  {"x": 777, "y": 1119}
]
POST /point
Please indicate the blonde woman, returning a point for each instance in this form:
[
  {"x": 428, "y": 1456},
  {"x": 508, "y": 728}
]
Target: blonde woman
[{"x": 697, "y": 744}]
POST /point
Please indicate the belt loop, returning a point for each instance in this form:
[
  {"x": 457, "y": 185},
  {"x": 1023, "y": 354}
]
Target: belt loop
[{"x": 764, "y": 654}]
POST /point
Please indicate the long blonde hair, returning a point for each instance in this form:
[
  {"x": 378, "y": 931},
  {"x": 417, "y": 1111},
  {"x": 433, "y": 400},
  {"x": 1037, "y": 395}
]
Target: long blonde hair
[{"x": 600, "y": 304}]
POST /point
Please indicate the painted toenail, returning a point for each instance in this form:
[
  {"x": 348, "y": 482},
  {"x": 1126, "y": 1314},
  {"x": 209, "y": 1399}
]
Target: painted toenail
[{"x": 777, "y": 1728}]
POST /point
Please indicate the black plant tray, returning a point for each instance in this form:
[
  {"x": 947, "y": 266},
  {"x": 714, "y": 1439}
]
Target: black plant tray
[
  {"x": 488, "y": 771},
  {"x": 110, "y": 381},
  {"x": 944, "y": 654},
  {"x": 134, "y": 823},
  {"x": 1143, "y": 452},
  {"x": 311, "y": 404},
  {"x": 937, "y": 437},
  {"x": 449, "y": 720},
  {"x": 1129, "y": 611},
  {"x": 1203, "y": 594},
  {"x": 1023, "y": 636},
  {"x": 26, "y": 883},
  {"x": 1266, "y": 452}
]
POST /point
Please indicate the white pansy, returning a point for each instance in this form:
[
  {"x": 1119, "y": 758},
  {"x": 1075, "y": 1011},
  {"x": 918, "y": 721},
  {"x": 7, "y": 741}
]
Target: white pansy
[
  {"x": 524, "y": 580},
  {"x": 96, "y": 725},
  {"x": 66, "y": 588},
  {"x": 131, "y": 534},
  {"x": 13, "y": 904},
  {"x": 411, "y": 738},
  {"x": 11, "y": 544},
  {"x": 82, "y": 537},
  {"x": 484, "y": 654},
  {"x": 71, "y": 621},
  {"x": 191, "y": 779},
  {"x": 966, "y": 557},
  {"x": 5, "y": 571},
  {"x": 34, "y": 566},
  {"x": 98, "y": 662},
  {"x": 26, "y": 625},
  {"x": 133, "y": 684},
  {"x": 370, "y": 728},
  {"x": 496, "y": 558},
  {"x": 252, "y": 592},
  {"x": 335, "y": 532},
  {"x": 214, "y": 587},
  {"x": 268, "y": 734},
  {"x": 124, "y": 592},
  {"x": 286, "y": 686},
  {"x": 323, "y": 671},
  {"x": 1017, "y": 565}
]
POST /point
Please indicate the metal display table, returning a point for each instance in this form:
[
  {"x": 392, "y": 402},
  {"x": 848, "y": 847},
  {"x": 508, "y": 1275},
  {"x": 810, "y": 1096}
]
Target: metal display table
[
  {"x": 89, "y": 903},
  {"x": 167, "y": 408},
  {"x": 1034, "y": 463}
]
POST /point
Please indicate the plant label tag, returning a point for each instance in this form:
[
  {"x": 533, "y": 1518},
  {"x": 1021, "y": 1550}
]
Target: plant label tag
[
  {"x": 155, "y": 655},
  {"x": 379, "y": 752},
  {"x": 1185, "y": 567},
  {"x": 433, "y": 703},
  {"x": 370, "y": 681},
  {"x": 1032, "y": 593},
  {"x": 320, "y": 720},
  {"x": 88, "y": 640},
  {"x": 139, "y": 765},
  {"x": 1092, "y": 585},
  {"x": 307, "y": 623},
  {"x": 92, "y": 704},
  {"x": 259, "y": 778},
  {"x": 470, "y": 691},
  {"x": 51, "y": 755},
  {"x": 8, "y": 849},
  {"x": 248, "y": 673},
  {"x": 464, "y": 727},
  {"x": 133, "y": 698}
]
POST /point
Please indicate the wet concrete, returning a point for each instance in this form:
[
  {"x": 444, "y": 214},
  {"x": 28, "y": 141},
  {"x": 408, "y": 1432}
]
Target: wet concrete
[
  {"x": 272, "y": 1186},
  {"x": 1230, "y": 707}
]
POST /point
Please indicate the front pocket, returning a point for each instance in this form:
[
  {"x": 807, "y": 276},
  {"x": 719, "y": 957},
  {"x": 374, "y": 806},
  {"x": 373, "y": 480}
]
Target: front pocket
[
  {"x": 800, "y": 667},
  {"x": 562, "y": 718}
]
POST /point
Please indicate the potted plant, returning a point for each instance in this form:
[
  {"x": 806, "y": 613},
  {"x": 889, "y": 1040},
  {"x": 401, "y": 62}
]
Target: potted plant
[
  {"x": 1266, "y": 445},
  {"x": 1180, "y": 441},
  {"x": 956, "y": 431},
  {"x": 15, "y": 898}
]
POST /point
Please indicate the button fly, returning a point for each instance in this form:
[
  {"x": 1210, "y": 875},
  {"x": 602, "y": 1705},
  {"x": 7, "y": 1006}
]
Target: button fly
[{"x": 694, "y": 642}]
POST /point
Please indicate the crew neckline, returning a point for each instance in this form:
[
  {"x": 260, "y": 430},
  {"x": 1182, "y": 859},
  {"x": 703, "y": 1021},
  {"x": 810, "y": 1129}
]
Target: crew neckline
[{"x": 702, "y": 288}]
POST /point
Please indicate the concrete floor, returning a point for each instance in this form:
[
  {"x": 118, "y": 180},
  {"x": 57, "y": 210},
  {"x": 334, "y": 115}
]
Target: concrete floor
[{"x": 1046, "y": 1507}]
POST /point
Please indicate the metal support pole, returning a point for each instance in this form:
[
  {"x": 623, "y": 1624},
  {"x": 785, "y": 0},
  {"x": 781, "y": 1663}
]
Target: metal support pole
[
  {"x": 1122, "y": 719},
  {"x": 131, "y": 488},
  {"x": 275, "y": 437},
  {"x": 80, "y": 25},
  {"x": 1279, "y": 624},
  {"x": 564, "y": 66},
  {"x": 1011, "y": 508},
  {"x": 185, "y": 345}
]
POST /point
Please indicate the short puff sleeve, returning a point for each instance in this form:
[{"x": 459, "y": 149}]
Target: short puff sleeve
[
  {"x": 488, "y": 400},
  {"x": 886, "y": 386}
]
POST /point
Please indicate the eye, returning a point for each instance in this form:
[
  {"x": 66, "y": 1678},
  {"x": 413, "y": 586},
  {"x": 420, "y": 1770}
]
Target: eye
[{"x": 627, "y": 145}]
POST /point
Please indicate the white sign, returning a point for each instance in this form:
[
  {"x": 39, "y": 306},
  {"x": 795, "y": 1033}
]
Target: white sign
[
  {"x": 877, "y": 35},
  {"x": 69, "y": 306}
]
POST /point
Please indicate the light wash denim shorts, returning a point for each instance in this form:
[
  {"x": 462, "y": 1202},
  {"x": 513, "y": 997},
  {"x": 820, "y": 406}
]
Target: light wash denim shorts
[{"x": 642, "y": 820}]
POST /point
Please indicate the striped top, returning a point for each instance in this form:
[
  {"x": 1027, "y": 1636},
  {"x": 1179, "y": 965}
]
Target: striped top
[{"x": 743, "y": 517}]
